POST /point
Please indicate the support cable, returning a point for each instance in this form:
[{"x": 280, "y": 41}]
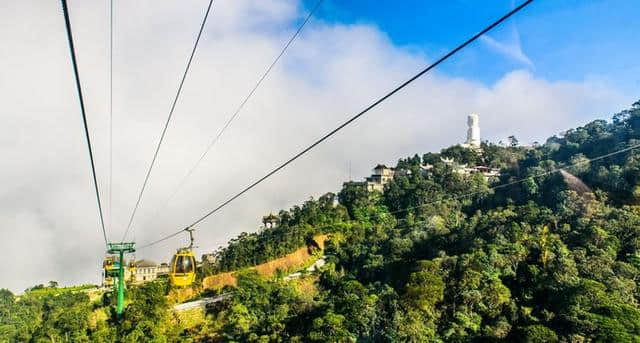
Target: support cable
[
  {"x": 240, "y": 106},
  {"x": 352, "y": 119},
  {"x": 110, "y": 114},
  {"x": 65, "y": 10},
  {"x": 166, "y": 124},
  {"x": 468, "y": 195}
]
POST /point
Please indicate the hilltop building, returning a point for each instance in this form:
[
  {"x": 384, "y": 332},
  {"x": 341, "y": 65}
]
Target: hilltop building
[
  {"x": 210, "y": 258},
  {"x": 163, "y": 269},
  {"x": 270, "y": 221},
  {"x": 136, "y": 272},
  {"x": 488, "y": 172},
  {"x": 146, "y": 270},
  {"x": 381, "y": 176}
]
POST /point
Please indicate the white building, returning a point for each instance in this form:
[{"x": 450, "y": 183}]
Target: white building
[
  {"x": 145, "y": 271},
  {"x": 380, "y": 177},
  {"x": 488, "y": 172},
  {"x": 163, "y": 269},
  {"x": 210, "y": 258}
]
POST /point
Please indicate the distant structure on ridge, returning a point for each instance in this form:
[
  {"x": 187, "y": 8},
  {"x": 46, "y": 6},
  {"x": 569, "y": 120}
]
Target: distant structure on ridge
[
  {"x": 473, "y": 132},
  {"x": 135, "y": 272},
  {"x": 381, "y": 175}
]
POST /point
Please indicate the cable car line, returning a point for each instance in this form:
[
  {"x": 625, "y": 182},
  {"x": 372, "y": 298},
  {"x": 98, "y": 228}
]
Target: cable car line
[
  {"x": 242, "y": 104},
  {"x": 110, "y": 114},
  {"x": 166, "y": 124},
  {"x": 67, "y": 22},
  {"x": 352, "y": 119},
  {"x": 466, "y": 195}
]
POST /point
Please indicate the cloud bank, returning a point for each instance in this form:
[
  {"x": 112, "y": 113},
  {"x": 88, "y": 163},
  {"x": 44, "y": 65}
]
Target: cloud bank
[{"x": 48, "y": 216}]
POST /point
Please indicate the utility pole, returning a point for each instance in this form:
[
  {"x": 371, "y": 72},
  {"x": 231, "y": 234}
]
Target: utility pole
[{"x": 120, "y": 249}]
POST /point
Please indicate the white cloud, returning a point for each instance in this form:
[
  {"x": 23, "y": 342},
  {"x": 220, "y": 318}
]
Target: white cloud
[
  {"x": 512, "y": 48},
  {"x": 47, "y": 208}
]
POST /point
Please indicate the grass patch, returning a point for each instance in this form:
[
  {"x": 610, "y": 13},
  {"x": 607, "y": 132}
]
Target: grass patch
[
  {"x": 299, "y": 259},
  {"x": 44, "y": 291}
]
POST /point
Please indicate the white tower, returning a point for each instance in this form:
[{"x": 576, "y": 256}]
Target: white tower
[{"x": 473, "y": 132}]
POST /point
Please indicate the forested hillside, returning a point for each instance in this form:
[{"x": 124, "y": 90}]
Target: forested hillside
[{"x": 536, "y": 256}]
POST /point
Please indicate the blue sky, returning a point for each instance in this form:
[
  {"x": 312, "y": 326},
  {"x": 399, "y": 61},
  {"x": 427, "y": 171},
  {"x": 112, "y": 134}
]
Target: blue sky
[{"x": 572, "y": 40}]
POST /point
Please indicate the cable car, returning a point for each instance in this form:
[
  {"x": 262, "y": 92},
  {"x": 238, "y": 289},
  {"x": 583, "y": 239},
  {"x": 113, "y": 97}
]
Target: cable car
[
  {"x": 110, "y": 266},
  {"x": 131, "y": 268},
  {"x": 183, "y": 265},
  {"x": 109, "y": 270}
]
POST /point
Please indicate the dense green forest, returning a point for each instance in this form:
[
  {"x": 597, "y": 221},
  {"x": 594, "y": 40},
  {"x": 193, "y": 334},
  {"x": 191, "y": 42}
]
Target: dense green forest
[{"x": 437, "y": 257}]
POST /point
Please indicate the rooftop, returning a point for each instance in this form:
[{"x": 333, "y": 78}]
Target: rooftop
[{"x": 145, "y": 264}]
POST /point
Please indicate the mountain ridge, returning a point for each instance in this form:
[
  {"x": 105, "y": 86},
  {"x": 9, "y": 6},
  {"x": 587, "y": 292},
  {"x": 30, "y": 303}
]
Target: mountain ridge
[{"x": 437, "y": 256}]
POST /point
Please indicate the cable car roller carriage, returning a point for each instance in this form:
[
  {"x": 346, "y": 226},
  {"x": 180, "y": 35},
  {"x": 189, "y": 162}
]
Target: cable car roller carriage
[{"x": 183, "y": 265}]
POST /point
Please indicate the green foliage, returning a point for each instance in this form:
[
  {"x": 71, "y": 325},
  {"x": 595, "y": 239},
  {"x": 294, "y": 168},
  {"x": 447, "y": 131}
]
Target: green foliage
[
  {"x": 259, "y": 310},
  {"x": 537, "y": 261},
  {"x": 48, "y": 317},
  {"x": 425, "y": 288},
  {"x": 330, "y": 328},
  {"x": 146, "y": 316},
  {"x": 294, "y": 230},
  {"x": 539, "y": 334}
]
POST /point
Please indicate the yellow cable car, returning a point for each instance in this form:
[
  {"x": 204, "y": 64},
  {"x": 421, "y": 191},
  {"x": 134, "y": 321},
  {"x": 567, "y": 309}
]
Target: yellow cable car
[
  {"x": 183, "y": 265},
  {"x": 131, "y": 269},
  {"x": 110, "y": 266},
  {"x": 109, "y": 270}
]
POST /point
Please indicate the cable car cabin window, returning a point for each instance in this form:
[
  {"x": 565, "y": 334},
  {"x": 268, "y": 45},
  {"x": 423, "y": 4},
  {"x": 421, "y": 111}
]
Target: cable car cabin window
[{"x": 184, "y": 264}]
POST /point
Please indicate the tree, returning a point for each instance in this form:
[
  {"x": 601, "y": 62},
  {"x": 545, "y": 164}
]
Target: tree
[
  {"x": 353, "y": 196},
  {"x": 259, "y": 309},
  {"x": 425, "y": 288},
  {"x": 539, "y": 334},
  {"x": 330, "y": 328},
  {"x": 146, "y": 317}
]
